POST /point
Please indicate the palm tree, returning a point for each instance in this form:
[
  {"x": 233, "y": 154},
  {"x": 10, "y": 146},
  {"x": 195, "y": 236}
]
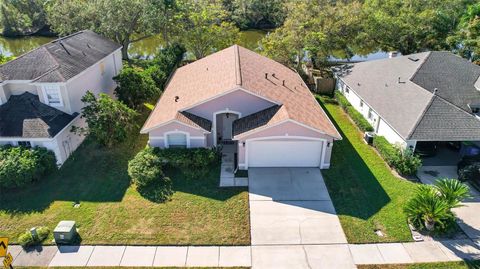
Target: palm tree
[
  {"x": 452, "y": 191},
  {"x": 427, "y": 208}
]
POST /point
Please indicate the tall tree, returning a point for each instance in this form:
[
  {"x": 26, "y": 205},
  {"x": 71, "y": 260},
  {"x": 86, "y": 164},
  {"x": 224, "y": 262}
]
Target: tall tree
[
  {"x": 109, "y": 121},
  {"x": 124, "y": 21},
  {"x": 256, "y": 13},
  {"x": 22, "y": 17},
  {"x": 410, "y": 26},
  {"x": 317, "y": 28},
  {"x": 205, "y": 28},
  {"x": 466, "y": 41}
]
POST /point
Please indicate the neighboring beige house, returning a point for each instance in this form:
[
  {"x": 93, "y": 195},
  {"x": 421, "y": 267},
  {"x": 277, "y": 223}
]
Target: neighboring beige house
[
  {"x": 41, "y": 91},
  {"x": 238, "y": 97}
]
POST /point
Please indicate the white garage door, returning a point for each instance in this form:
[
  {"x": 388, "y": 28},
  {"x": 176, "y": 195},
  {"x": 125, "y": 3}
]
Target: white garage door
[{"x": 284, "y": 153}]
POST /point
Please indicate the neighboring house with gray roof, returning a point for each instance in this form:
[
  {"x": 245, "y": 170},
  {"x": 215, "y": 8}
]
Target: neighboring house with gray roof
[
  {"x": 41, "y": 90},
  {"x": 428, "y": 96}
]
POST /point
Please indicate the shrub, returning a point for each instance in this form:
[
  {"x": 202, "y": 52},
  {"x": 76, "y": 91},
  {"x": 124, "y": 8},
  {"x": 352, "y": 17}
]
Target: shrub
[
  {"x": 403, "y": 160},
  {"x": 146, "y": 167},
  {"x": 20, "y": 166},
  {"x": 406, "y": 162},
  {"x": 356, "y": 116},
  {"x": 470, "y": 173},
  {"x": 427, "y": 209},
  {"x": 26, "y": 239},
  {"x": 109, "y": 121},
  {"x": 359, "y": 120},
  {"x": 342, "y": 101},
  {"x": 431, "y": 206},
  {"x": 136, "y": 86},
  {"x": 194, "y": 163}
]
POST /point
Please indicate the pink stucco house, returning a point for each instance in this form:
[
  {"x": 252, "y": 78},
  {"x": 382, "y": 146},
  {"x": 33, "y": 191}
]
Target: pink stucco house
[{"x": 238, "y": 97}]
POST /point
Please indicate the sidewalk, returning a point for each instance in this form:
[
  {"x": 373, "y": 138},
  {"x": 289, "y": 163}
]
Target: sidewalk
[{"x": 284, "y": 256}]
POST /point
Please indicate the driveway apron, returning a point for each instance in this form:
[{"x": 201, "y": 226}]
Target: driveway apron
[{"x": 292, "y": 217}]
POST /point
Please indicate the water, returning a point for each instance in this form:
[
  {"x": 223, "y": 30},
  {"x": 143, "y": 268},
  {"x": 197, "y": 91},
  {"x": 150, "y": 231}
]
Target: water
[{"x": 144, "y": 48}]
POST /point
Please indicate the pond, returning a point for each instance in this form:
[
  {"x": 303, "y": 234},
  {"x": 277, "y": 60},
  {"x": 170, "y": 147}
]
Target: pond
[{"x": 144, "y": 48}]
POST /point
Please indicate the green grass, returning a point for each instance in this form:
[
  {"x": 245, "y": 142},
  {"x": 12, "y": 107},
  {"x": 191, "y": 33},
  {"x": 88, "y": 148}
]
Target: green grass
[
  {"x": 113, "y": 212},
  {"x": 366, "y": 195},
  {"x": 437, "y": 265}
]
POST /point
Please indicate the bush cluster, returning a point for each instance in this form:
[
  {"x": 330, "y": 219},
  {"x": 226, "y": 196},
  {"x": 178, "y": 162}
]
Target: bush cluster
[
  {"x": 431, "y": 206},
  {"x": 194, "y": 163},
  {"x": 403, "y": 160},
  {"x": 356, "y": 116},
  {"x": 470, "y": 173},
  {"x": 146, "y": 169},
  {"x": 20, "y": 165},
  {"x": 26, "y": 239}
]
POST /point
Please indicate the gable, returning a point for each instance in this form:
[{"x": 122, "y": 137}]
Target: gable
[
  {"x": 443, "y": 121},
  {"x": 237, "y": 100}
]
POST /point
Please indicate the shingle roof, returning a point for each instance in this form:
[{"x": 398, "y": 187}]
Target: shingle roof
[
  {"x": 26, "y": 117},
  {"x": 194, "y": 120},
  {"x": 237, "y": 67},
  {"x": 414, "y": 94},
  {"x": 254, "y": 121},
  {"x": 452, "y": 76},
  {"x": 59, "y": 60},
  {"x": 443, "y": 121}
]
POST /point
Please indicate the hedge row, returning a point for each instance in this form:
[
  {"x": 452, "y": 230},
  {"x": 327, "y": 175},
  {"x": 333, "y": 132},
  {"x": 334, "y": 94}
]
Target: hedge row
[
  {"x": 147, "y": 165},
  {"x": 356, "y": 116},
  {"x": 386, "y": 150},
  {"x": 20, "y": 166},
  {"x": 403, "y": 160}
]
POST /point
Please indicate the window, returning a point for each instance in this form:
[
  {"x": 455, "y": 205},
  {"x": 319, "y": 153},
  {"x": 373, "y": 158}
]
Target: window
[
  {"x": 371, "y": 115},
  {"x": 361, "y": 103},
  {"x": 177, "y": 140},
  {"x": 26, "y": 144},
  {"x": 347, "y": 90},
  {"x": 52, "y": 95}
]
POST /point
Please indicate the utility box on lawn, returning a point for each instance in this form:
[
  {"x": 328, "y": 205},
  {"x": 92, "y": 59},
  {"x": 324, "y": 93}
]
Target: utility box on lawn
[{"x": 65, "y": 232}]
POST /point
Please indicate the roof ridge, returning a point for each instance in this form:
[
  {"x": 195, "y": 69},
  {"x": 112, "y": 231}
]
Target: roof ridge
[
  {"x": 418, "y": 68},
  {"x": 238, "y": 70}
]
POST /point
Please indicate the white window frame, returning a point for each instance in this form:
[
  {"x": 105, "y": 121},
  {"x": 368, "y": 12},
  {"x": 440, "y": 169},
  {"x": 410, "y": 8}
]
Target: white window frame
[
  {"x": 51, "y": 87},
  {"x": 165, "y": 138}
]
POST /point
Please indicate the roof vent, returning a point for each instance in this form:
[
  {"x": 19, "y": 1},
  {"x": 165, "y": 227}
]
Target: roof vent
[
  {"x": 273, "y": 75},
  {"x": 413, "y": 59},
  {"x": 435, "y": 91},
  {"x": 283, "y": 82},
  {"x": 400, "y": 81},
  {"x": 176, "y": 98},
  {"x": 392, "y": 54}
]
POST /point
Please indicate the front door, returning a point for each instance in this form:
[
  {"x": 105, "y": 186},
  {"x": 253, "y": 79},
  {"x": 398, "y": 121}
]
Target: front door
[{"x": 227, "y": 123}]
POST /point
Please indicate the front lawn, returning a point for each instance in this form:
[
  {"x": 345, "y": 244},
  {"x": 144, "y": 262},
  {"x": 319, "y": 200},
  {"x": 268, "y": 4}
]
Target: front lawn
[
  {"x": 366, "y": 195},
  {"x": 113, "y": 212}
]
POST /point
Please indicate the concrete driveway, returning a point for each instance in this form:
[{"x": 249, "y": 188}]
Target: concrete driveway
[{"x": 291, "y": 206}]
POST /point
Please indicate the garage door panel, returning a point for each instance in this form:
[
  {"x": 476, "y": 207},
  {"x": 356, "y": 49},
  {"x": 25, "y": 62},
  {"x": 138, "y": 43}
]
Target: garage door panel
[{"x": 267, "y": 153}]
